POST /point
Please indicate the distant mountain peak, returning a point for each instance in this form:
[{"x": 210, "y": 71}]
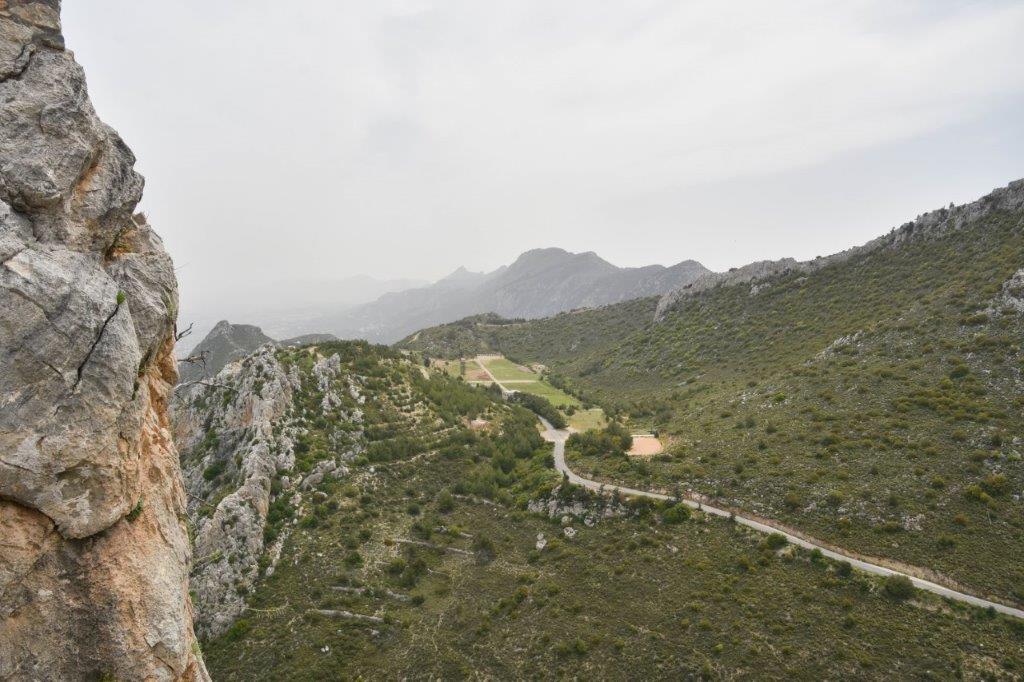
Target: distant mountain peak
[{"x": 538, "y": 283}]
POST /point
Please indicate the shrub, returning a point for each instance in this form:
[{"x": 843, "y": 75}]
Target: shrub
[
  {"x": 775, "y": 541},
  {"x": 898, "y": 586},
  {"x": 238, "y": 630},
  {"x": 540, "y": 406},
  {"x": 484, "y": 549},
  {"x": 612, "y": 440},
  {"x": 213, "y": 471},
  {"x": 996, "y": 484},
  {"x": 677, "y": 513}
]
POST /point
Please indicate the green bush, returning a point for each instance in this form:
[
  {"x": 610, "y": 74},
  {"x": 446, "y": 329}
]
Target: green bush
[
  {"x": 898, "y": 587},
  {"x": 677, "y": 513}
]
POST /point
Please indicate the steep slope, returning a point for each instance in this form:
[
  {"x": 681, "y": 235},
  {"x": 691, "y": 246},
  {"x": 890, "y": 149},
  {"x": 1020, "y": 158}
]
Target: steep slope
[
  {"x": 539, "y": 283},
  {"x": 270, "y": 430},
  {"x": 355, "y": 523},
  {"x": 872, "y": 398},
  {"x": 94, "y": 566}
]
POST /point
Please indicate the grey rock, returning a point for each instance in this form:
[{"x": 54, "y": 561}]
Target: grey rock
[{"x": 94, "y": 572}]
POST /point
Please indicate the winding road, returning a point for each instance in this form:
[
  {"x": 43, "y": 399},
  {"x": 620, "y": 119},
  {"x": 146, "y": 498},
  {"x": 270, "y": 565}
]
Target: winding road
[{"x": 558, "y": 438}]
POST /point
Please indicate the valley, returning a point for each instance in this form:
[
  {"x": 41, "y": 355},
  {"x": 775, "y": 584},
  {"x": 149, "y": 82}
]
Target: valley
[
  {"x": 543, "y": 466},
  {"x": 436, "y": 549},
  {"x": 873, "y": 402}
]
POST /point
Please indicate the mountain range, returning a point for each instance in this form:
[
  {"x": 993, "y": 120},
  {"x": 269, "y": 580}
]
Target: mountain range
[{"x": 540, "y": 282}]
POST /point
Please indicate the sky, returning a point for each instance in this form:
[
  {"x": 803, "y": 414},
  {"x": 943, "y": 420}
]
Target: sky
[{"x": 288, "y": 146}]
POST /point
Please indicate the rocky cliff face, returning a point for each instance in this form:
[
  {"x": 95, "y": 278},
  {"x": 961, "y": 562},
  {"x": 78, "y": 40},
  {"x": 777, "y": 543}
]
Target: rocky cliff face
[
  {"x": 238, "y": 436},
  {"x": 230, "y": 454},
  {"x": 95, "y": 551},
  {"x": 927, "y": 225}
]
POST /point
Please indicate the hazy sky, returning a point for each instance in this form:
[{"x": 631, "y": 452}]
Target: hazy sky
[{"x": 315, "y": 140}]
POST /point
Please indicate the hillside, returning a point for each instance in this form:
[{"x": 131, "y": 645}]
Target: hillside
[
  {"x": 539, "y": 283},
  {"x": 350, "y": 524},
  {"x": 873, "y": 399}
]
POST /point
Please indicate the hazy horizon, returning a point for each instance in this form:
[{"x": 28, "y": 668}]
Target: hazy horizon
[{"x": 406, "y": 139}]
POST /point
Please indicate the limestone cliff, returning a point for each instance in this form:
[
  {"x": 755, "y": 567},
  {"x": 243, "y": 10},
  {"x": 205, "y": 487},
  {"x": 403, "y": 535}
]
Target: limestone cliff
[
  {"x": 94, "y": 549},
  {"x": 242, "y": 451}
]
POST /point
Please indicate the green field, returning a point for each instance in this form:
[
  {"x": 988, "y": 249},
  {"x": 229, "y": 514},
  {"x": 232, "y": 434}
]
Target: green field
[
  {"x": 505, "y": 370},
  {"x": 522, "y": 379}
]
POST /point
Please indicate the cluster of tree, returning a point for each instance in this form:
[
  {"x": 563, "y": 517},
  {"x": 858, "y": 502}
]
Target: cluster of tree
[
  {"x": 498, "y": 457},
  {"x": 453, "y": 398},
  {"x": 612, "y": 440},
  {"x": 540, "y": 406}
]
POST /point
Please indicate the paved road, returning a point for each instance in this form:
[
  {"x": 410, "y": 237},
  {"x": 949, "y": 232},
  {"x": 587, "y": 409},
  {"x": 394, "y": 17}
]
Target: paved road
[{"x": 558, "y": 437}]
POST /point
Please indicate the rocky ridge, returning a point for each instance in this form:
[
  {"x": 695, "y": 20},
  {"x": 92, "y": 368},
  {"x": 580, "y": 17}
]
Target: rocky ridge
[
  {"x": 228, "y": 342},
  {"x": 237, "y": 434},
  {"x": 933, "y": 223},
  {"x": 94, "y": 572}
]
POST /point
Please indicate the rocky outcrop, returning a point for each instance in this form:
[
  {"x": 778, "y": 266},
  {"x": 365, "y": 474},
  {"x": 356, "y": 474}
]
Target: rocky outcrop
[
  {"x": 238, "y": 437},
  {"x": 928, "y": 225},
  {"x": 228, "y": 443},
  {"x": 1011, "y": 295},
  {"x": 94, "y": 549}
]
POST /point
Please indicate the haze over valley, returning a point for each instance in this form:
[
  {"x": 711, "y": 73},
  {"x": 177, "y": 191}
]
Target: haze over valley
[{"x": 511, "y": 341}]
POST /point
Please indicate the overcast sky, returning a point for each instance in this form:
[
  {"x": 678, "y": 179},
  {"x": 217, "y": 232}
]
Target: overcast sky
[{"x": 320, "y": 139}]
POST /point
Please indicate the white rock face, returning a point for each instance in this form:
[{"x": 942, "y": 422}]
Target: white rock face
[{"x": 94, "y": 565}]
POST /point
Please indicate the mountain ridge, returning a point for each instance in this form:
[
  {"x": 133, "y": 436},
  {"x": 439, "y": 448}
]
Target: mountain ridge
[{"x": 538, "y": 283}]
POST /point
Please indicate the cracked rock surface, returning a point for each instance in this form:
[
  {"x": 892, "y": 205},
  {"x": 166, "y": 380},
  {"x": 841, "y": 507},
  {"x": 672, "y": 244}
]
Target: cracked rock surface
[{"x": 94, "y": 550}]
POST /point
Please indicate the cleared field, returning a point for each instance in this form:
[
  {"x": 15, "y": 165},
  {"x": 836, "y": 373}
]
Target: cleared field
[
  {"x": 504, "y": 369},
  {"x": 518, "y": 378},
  {"x": 555, "y": 397},
  {"x": 645, "y": 446},
  {"x": 470, "y": 370},
  {"x": 584, "y": 420}
]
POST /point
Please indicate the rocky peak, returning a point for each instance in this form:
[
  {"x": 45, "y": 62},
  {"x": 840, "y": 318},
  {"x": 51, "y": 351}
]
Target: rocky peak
[
  {"x": 225, "y": 343},
  {"x": 94, "y": 572}
]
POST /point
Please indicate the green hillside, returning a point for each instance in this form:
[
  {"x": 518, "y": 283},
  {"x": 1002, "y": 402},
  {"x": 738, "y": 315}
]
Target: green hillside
[
  {"x": 874, "y": 402},
  {"x": 437, "y": 547},
  {"x": 430, "y": 558}
]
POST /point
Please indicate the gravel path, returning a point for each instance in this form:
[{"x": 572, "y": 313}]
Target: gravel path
[{"x": 558, "y": 438}]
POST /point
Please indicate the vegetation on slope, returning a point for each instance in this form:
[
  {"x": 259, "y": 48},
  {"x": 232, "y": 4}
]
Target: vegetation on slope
[
  {"x": 430, "y": 565},
  {"x": 876, "y": 402}
]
